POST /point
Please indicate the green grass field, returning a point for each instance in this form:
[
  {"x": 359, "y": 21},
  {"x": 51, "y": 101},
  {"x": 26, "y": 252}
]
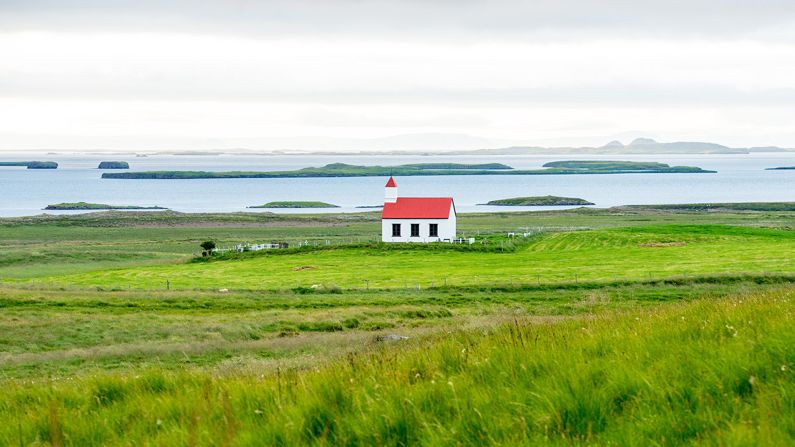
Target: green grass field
[
  {"x": 33, "y": 247},
  {"x": 603, "y": 327},
  {"x": 714, "y": 371},
  {"x": 597, "y": 255}
]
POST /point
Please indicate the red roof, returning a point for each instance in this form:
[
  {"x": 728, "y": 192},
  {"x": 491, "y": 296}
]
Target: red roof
[
  {"x": 419, "y": 208},
  {"x": 391, "y": 183}
]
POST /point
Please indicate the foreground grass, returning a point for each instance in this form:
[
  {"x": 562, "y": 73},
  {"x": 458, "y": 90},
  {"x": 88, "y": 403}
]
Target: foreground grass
[
  {"x": 710, "y": 371},
  {"x": 631, "y": 253},
  {"x": 66, "y": 333}
]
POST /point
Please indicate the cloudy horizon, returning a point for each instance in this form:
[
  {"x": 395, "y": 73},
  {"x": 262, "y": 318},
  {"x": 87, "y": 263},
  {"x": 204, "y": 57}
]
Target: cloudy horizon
[{"x": 444, "y": 75}]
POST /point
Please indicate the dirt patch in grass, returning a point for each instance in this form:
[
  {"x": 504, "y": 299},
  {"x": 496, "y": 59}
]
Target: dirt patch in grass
[{"x": 304, "y": 267}]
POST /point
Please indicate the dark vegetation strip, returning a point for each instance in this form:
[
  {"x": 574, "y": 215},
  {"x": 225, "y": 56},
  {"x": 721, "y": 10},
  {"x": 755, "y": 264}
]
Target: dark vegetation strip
[
  {"x": 494, "y": 245},
  {"x": 700, "y": 207}
]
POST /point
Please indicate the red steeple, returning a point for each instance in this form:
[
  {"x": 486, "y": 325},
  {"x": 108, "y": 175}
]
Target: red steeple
[{"x": 391, "y": 183}]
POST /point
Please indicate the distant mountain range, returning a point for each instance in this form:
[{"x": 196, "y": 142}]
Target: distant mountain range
[
  {"x": 637, "y": 146},
  {"x": 435, "y": 144}
]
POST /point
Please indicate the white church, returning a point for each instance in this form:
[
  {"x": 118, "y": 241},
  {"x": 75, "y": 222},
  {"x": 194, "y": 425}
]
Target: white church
[{"x": 416, "y": 219}]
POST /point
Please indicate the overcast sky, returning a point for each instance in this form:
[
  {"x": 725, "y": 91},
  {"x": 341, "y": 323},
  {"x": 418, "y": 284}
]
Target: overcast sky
[{"x": 441, "y": 74}]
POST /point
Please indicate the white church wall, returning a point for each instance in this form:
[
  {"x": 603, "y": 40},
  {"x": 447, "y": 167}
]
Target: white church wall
[{"x": 447, "y": 229}]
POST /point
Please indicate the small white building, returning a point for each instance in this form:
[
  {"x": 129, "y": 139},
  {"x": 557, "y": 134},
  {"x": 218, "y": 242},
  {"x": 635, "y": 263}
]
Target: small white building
[{"x": 416, "y": 219}]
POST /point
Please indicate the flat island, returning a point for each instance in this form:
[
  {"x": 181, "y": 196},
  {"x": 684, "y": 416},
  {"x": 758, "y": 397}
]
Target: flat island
[
  {"x": 424, "y": 169},
  {"x": 618, "y": 167},
  {"x": 31, "y": 164},
  {"x": 113, "y": 165},
  {"x": 539, "y": 201},
  {"x": 296, "y": 204},
  {"x": 97, "y": 206}
]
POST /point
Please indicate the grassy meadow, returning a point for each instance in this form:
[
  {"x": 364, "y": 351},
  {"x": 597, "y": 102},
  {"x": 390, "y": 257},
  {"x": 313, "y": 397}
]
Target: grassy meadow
[
  {"x": 632, "y": 253},
  {"x": 601, "y": 327},
  {"x": 714, "y": 371}
]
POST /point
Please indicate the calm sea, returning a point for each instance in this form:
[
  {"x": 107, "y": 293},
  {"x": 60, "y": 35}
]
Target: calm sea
[{"x": 740, "y": 178}]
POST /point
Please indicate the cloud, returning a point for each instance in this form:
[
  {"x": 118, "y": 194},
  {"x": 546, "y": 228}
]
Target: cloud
[
  {"x": 452, "y": 18},
  {"x": 182, "y": 67},
  {"x": 118, "y": 71}
]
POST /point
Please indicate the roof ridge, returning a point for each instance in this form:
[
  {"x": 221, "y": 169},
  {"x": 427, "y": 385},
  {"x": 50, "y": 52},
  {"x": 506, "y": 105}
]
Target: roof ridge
[{"x": 418, "y": 208}]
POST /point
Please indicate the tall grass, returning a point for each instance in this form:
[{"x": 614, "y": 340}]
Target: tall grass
[{"x": 710, "y": 371}]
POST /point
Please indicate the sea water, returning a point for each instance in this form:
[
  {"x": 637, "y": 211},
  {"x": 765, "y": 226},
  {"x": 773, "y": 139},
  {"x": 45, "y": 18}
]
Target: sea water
[{"x": 740, "y": 178}]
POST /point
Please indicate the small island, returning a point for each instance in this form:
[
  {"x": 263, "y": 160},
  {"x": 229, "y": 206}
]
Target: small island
[
  {"x": 113, "y": 165},
  {"x": 79, "y": 206},
  {"x": 618, "y": 167},
  {"x": 782, "y": 168},
  {"x": 425, "y": 169},
  {"x": 296, "y": 204},
  {"x": 539, "y": 201},
  {"x": 31, "y": 164}
]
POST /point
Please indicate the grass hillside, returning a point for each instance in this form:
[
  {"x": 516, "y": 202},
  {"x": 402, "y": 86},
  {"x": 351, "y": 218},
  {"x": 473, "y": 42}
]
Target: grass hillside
[
  {"x": 598, "y": 255},
  {"x": 710, "y": 371}
]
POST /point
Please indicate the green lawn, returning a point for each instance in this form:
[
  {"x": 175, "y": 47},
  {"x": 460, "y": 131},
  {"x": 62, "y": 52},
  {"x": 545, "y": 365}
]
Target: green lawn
[{"x": 599, "y": 255}]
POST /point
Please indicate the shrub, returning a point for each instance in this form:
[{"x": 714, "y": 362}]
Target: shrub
[
  {"x": 208, "y": 246},
  {"x": 303, "y": 290}
]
